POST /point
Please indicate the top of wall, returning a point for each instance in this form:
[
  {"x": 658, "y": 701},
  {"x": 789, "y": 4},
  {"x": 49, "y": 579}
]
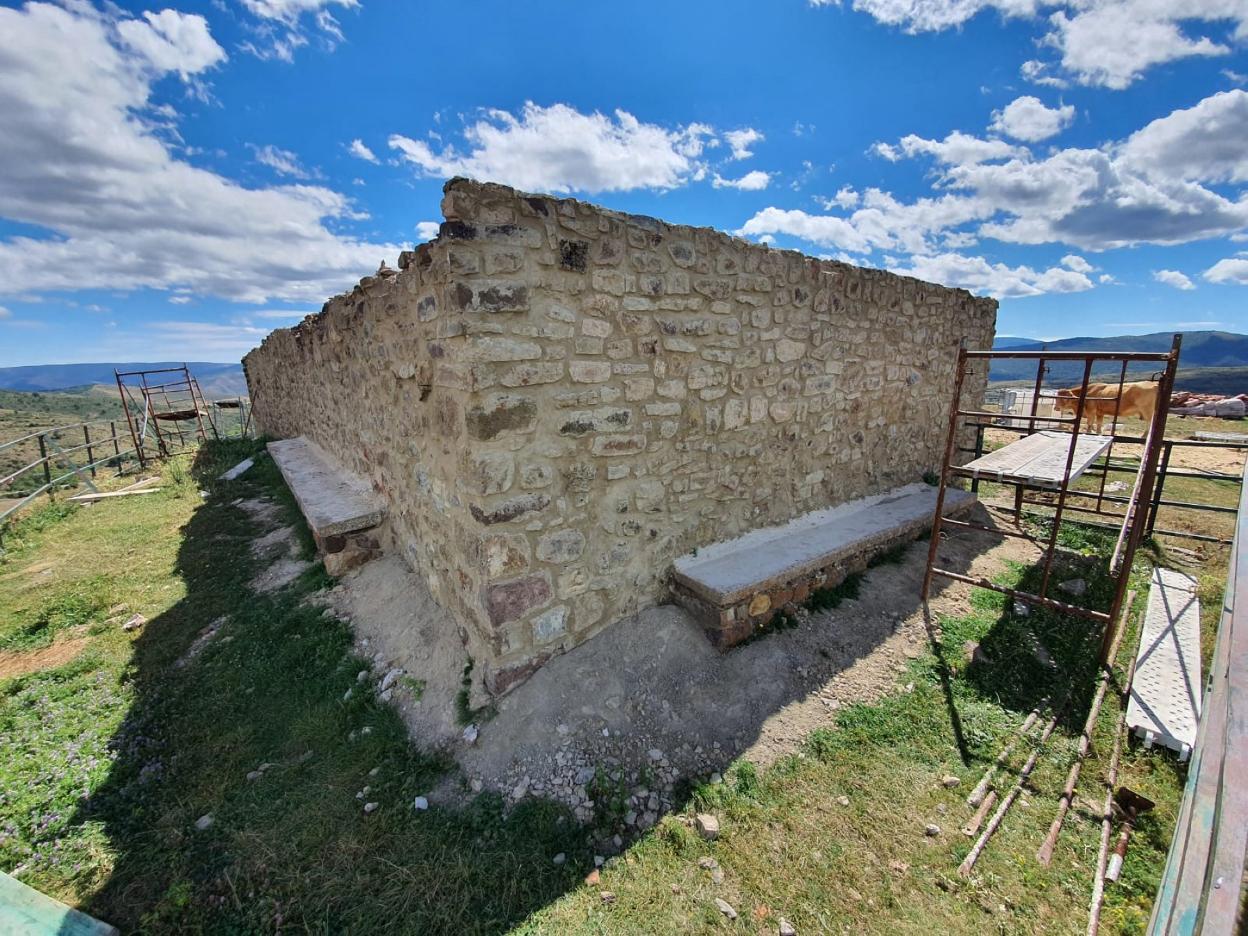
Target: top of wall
[{"x": 486, "y": 210}]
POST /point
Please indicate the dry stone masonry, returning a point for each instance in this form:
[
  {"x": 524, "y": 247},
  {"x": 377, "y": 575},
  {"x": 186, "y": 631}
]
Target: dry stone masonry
[{"x": 555, "y": 400}]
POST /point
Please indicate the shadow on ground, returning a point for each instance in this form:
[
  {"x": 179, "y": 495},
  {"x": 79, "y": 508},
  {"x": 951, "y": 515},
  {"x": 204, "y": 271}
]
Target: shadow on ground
[{"x": 240, "y": 796}]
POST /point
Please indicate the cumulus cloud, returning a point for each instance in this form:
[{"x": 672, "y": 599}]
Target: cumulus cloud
[
  {"x": 559, "y": 149},
  {"x": 957, "y": 149},
  {"x": 427, "y": 230},
  {"x": 1027, "y": 118},
  {"x": 754, "y": 181},
  {"x": 1232, "y": 270},
  {"x": 1108, "y": 43},
  {"x": 172, "y": 42},
  {"x": 993, "y": 279},
  {"x": 1173, "y": 278},
  {"x": 79, "y": 160},
  {"x": 740, "y": 141},
  {"x": 360, "y": 151},
  {"x": 1207, "y": 142},
  {"x": 1077, "y": 263}
]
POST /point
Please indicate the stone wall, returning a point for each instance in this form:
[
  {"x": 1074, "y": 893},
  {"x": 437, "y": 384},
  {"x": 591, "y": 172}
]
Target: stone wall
[{"x": 556, "y": 400}]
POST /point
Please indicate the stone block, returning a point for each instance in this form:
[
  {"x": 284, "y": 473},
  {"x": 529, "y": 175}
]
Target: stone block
[{"x": 512, "y": 600}]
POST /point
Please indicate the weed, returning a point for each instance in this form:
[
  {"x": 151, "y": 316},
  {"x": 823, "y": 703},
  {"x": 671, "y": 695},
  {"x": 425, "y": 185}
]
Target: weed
[{"x": 825, "y": 599}]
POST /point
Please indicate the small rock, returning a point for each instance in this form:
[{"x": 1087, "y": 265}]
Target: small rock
[
  {"x": 471, "y": 733},
  {"x": 707, "y": 863},
  {"x": 717, "y": 876},
  {"x": 361, "y": 675},
  {"x": 725, "y": 908},
  {"x": 1021, "y": 609},
  {"x": 676, "y": 889},
  {"x": 372, "y": 773},
  {"x": 599, "y": 860},
  {"x": 347, "y": 695},
  {"x": 254, "y": 775},
  {"x": 606, "y": 896},
  {"x": 949, "y": 781},
  {"x": 390, "y": 679},
  {"x": 560, "y": 858},
  {"x": 656, "y": 754},
  {"x": 708, "y": 826},
  {"x": 476, "y": 785},
  {"x": 898, "y": 867},
  {"x": 842, "y": 800},
  {"x": 369, "y": 807},
  {"x": 420, "y": 803},
  {"x": 387, "y": 695},
  {"x": 717, "y": 778},
  {"x": 134, "y": 623},
  {"x": 787, "y": 928},
  {"x": 593, "y": 877},
  {"x": 1074, "y": 587},
  {"x": 931, "y": 830},
  {"x": 204, "y": 821}
]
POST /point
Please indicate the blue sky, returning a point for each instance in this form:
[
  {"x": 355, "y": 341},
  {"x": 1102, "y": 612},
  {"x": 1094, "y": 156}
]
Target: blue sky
[{"x": 176, "y": 181}]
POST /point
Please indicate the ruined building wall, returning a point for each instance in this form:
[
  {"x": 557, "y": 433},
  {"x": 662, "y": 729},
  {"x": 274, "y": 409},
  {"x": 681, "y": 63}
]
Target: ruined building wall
[{"x": 557, "y": 400}]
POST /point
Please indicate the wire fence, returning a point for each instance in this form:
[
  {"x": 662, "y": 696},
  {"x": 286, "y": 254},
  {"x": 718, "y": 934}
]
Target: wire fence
[{"x": 67, "y": 457}]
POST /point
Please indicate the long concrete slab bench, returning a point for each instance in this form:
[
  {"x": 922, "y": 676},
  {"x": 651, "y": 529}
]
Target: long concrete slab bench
[
  {"x": 340, "y": 507},
  {"x": 735, "y": 587}
]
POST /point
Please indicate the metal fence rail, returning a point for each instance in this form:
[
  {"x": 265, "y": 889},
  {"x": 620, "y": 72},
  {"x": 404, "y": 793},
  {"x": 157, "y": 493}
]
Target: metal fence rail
[
  {"x": 55, "y": 456},
  {"x": 1202, "y": 886}
]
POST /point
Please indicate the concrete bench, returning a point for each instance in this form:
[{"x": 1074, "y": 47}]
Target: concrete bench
[
  {"x": 735, "y": 587},
  {"x": 1164, "y": 705},
  {"x": 339, "y": 506}
]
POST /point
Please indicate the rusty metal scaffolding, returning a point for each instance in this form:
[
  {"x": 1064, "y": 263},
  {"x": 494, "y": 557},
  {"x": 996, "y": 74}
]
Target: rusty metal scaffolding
[
  {"x": 1137, "y": 506},
  {"x": 162, "y": 409}
]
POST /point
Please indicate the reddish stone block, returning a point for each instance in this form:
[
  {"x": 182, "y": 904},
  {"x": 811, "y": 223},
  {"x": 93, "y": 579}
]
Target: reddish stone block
[{"x": 510, "y": 601}]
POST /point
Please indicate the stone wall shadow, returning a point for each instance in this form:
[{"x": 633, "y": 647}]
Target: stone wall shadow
[{"x": 291, "y": 845}]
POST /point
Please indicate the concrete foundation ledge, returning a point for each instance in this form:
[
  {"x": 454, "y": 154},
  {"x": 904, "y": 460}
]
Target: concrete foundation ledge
[{"x": 735, "y": 587}]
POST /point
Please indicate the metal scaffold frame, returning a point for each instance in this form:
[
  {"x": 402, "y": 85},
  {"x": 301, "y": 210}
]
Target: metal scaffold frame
[
  {"x": 162, "y": 408},
  {"x": 1074, "y": 460}
]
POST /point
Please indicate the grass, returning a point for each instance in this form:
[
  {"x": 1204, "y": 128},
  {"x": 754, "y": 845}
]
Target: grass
[{"x": 110, "y": 759}]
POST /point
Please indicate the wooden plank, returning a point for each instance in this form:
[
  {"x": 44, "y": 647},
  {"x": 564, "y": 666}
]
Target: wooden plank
[
  {"x": 26, "y": 912},
  {"x": 92, "y": 498},
  {"x": 1039, "y": 459}
]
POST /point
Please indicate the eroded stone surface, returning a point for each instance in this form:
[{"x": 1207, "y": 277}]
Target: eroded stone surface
[{"x": 546, "y": 366}]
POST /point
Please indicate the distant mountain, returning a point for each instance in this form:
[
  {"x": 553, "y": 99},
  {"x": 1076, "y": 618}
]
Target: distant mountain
[
  {"x": 1201, "y": 349},
  {"x": 215, "y": 380}
]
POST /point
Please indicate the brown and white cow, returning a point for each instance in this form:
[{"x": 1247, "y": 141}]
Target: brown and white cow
[{"x": 1138, "y": 399}]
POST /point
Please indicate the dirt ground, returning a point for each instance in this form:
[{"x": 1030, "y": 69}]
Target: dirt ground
[
  {"x": 20, "y": 662},
  {"x": 649, "y": 696}
]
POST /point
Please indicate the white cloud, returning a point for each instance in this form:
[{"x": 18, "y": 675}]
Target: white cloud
[
  {"x": 1027, "y": 118},
  {"x": 993, "y": 279},
  {"x": 1108, "y": 43},
  {"x": 1076, "y": 263},
  {"x": 740, "y": 141},
  {"x": 754, "y": 181},
  {"x": 360, "y": 151},
  {"x": 5, "y": 313},
  {"x": 77, "y": 159},
  {"x": 427, "y": 230},
  {"x": 559, "y": 149},
  {"x": 845, "y": 197},
  {"x": 1173, "y": 278},
  {"x": 1037, "y": 72},
  {"x": 282, "y": 31},
  {"x": 1113, "y": 42},
  {"x": 172, "y": 42},
  {"x": 957, "y": 149},
  {"x": 1207, "y": 142},
  {"x": 281, "y": 161},
  {"x": 1232, "y": 270}
]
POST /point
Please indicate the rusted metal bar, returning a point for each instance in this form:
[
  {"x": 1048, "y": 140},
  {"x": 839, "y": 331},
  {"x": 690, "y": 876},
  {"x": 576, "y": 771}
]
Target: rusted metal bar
[
  {"x": 976, "y": 796},
  {"x": 973, "y": 824},
  {"x": 1161, "y": 481},
  {"x": 1065, "y": 486},
  {"x": 1060, "y": 420},
  {"x": 968, "y": 863},
  {"x": 1107, "y": 811},
  {"x": 1028, "y": 597},
  {"x": 1045, "y": 854},
  {"x": 1071, "y": 355},
  {"x": 125, "y": 405},
  {"x": 934, "y": 544}
]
